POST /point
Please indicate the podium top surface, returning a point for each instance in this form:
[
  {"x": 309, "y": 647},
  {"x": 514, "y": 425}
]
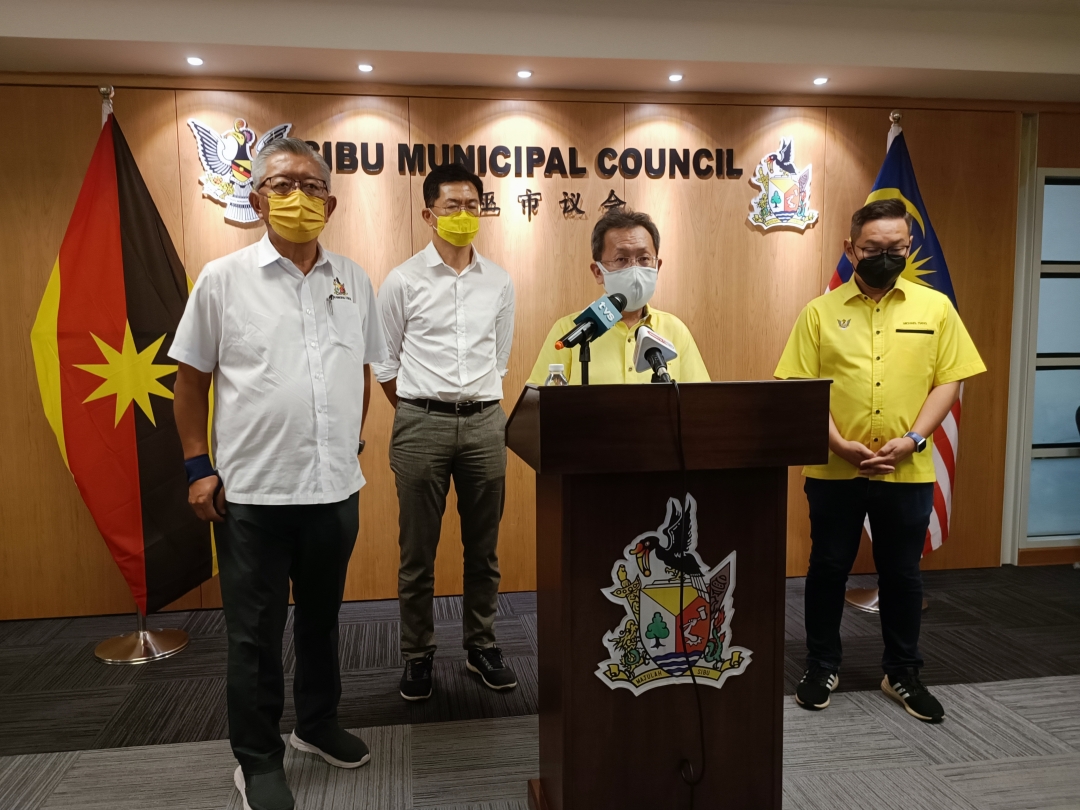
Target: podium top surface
[{"x": 617, "y": 428}]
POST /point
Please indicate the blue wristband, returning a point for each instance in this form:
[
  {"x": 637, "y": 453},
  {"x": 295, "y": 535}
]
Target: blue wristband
[{"x": 198, "y": 467}]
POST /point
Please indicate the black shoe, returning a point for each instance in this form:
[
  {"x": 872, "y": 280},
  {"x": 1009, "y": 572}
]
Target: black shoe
[
  {"x": 816, "y": 687},
  {"x": 487, "y": 662},
  {"x": 264, "y": 791},
  {"x": 338, "y": 747},
  {"x": 416, "y": 679},
  {"x": 907, "y": 690}
]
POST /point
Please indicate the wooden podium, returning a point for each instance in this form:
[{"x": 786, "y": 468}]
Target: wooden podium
[{"x": 617, "y": 717}]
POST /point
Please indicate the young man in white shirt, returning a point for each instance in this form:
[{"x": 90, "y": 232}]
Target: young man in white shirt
[
  {"x": 285, "y": 330},
  {"x": 448, "y": 313}
]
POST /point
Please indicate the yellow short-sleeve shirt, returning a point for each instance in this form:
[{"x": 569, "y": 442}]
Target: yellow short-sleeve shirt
[
  {"x": 883, "y": 358},
  {"x": 613, "y": 353}
]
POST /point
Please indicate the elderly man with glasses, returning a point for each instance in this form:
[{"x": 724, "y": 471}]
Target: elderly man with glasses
[
  {"x": 449, "y": 319},
  {"x": 625, "y": 245},
  {"x": 285, "y": 330}
]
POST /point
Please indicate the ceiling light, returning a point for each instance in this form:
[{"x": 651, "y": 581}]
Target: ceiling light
[
  {"x": 365, "y": 68},
  {"x": 524, "y": 74},
  {"x": 821, "y": 80},
  {"x": 194, "y": 60},
  {"x": 675, "y": 77}
]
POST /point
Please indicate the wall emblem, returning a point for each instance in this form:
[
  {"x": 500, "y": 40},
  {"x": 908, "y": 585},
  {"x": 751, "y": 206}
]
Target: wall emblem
[
  {"x": 784, "y": 201},
  {"x": 678, "y": 611},
  {"x": 226, "y": 160}
]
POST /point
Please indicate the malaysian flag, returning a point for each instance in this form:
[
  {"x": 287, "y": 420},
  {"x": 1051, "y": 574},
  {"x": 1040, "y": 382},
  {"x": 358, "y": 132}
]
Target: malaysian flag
[{"x": 926, "y": 266}]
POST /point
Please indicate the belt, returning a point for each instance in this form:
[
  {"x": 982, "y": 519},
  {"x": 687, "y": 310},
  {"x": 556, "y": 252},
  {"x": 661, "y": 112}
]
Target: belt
[{"x": 466, "y": 408}]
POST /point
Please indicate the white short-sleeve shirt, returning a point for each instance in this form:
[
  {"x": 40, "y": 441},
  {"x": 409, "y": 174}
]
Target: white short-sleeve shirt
[{"x": 287, "y": 352}]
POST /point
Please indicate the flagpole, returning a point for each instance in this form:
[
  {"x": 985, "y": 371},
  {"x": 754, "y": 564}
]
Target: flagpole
[
  {"x": 866, "y": 599},
  {"x": 141, "y": 646}
]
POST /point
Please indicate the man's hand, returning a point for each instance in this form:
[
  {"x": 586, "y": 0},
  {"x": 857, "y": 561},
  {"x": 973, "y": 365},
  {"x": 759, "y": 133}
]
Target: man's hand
[
  {"x": 854, "y": 453},
  {"x": 886, "y": 459},
  {"x": 201, "y": 498}
]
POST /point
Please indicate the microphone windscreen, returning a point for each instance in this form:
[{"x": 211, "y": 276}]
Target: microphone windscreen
[{"x": 619, "y": 300}]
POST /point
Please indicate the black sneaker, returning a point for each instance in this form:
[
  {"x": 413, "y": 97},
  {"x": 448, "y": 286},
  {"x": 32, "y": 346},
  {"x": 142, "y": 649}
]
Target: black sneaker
[
  {"x": 487, "y": 662},
  {"x": 338, "y": 747},
  {"x": 816, "y": 687},
  {"x": 264, "y": 791},
  {"x": 416, "y": 679},
  {"x": 907, "y": 690}
]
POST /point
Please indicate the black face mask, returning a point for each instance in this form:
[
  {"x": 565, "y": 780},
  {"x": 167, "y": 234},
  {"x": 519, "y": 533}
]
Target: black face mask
[{"x": 881, "y": 271}]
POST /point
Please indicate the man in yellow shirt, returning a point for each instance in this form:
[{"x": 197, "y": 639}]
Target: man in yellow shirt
[
  {"x": 896, "y": 352},
  {"x": 625, "y": 245}
]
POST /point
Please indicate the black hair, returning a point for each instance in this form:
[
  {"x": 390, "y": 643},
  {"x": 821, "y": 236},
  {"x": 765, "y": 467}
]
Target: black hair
[
  {"x": 452, "y": 173},
  {"x": 622, "y": 219},
  {"x": 879, "y": 209}
]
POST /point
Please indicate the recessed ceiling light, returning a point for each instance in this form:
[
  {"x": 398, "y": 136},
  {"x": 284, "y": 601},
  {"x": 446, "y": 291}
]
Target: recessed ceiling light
[
  {"x": 365, "y": 68},
  {"x": 675, "y": 77},
  {"x": 524, "y": 74},
  {"x": 821, "y": 80},
  {"x": 194, "y": 60}
]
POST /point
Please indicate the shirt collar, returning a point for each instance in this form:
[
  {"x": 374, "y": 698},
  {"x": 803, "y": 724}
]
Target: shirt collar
[
  {"x": 646, "y": 320},
  {"x": 850, "y": 289},
  {"x": 267, "y": 254},
  {"x": 433, "y": 259}
]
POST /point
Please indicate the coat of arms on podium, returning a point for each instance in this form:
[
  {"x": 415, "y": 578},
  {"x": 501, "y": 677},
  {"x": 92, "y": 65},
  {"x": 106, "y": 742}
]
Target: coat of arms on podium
[
  {"x": 677, "y": 627},
  {"x": 784, "y": 200}
]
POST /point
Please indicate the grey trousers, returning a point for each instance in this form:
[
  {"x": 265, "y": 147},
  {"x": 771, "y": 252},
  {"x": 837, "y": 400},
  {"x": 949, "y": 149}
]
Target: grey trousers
[{"x": 425, "y": 451}]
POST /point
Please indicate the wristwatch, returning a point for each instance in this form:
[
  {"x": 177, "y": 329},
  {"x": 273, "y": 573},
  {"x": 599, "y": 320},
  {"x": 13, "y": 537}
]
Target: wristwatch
[{"x": 920, "y": 442}]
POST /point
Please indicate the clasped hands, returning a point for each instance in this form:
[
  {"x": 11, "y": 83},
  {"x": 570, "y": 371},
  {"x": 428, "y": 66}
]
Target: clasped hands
[{"x": 868, "y": 462}]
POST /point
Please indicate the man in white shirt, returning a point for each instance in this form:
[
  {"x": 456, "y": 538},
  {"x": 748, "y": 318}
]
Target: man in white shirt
[
  {"x": 286, "y": 331},
  {"x": 448, "y": 313}
]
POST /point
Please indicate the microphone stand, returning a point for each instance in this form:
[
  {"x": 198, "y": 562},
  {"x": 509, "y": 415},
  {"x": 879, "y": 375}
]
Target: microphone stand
[{"x": 584, "y": 358}]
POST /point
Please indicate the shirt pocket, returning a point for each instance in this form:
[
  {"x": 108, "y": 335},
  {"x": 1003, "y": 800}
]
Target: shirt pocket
[
  {"x": 916, "y": 348},
  {"x": 345, "y": 327}
]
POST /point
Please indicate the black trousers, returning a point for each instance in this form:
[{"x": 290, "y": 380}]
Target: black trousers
[
  {"x": 260, "y": 549},
  {"x": 899, "y": 516}
]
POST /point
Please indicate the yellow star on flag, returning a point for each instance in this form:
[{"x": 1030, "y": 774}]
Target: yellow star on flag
[
  {"x": 914, "y": 270},
  {"x": 129, "y": 374}
]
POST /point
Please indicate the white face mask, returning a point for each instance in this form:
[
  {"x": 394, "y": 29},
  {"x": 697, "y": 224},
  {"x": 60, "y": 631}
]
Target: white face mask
[{"x": 637, "y": 283}]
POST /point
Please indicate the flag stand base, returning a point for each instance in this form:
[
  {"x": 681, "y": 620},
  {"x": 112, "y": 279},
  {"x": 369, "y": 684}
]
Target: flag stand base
[
  {"x": 866, "y": 600},
  {"x": 141, "y": 646}
]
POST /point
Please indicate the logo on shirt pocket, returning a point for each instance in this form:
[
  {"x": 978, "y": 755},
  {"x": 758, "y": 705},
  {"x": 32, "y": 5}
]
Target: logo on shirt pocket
[
  {"x": 844, "y": 323},
  {"x": 339, "y": 288}
]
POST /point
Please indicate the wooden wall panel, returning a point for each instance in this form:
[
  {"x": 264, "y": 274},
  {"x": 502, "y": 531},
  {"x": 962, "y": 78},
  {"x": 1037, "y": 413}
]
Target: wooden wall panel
[
  {"x": 739, "y": 290},
  {"x": 1058, "y": 135},
  {"x": 547, "y": 257},
  {"x": 52, "y": 559}
]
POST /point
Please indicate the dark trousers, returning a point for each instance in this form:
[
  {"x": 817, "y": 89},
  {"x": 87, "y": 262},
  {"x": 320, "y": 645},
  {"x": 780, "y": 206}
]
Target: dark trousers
[
  {"x": 899, "y": 516},
  {"x": 426, "y": 451},
  {"x": 260, "y": 549}
]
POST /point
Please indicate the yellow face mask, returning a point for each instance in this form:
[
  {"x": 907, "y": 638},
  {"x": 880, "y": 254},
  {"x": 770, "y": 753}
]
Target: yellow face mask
[
  {"x": 297, "y": 216},
  {"x": 458, "y": 229}
]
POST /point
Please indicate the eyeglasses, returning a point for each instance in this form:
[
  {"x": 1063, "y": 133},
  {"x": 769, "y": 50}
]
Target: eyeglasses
[
  {"x": 451, "y": 208},
  {"x": 622, "y": 262},
  {"x": 284, "y": 185},
  {"x": 897, "y": 252}
]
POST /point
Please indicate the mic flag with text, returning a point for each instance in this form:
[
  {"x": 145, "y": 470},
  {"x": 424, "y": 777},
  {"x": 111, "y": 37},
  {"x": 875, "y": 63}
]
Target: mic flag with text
[
  {"x": 926, "y": 266},
  {"x": 100, "y": 342}
]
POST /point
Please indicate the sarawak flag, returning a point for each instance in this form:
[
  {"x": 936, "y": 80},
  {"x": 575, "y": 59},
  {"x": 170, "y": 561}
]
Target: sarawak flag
[
  {"x": 926, "y": 266},
  {"x": 101, "y": 341}
]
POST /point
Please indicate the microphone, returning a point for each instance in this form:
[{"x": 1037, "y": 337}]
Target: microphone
[
  {"x": 594, "y": 320},
  {"x": 653, "y": 351}
]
